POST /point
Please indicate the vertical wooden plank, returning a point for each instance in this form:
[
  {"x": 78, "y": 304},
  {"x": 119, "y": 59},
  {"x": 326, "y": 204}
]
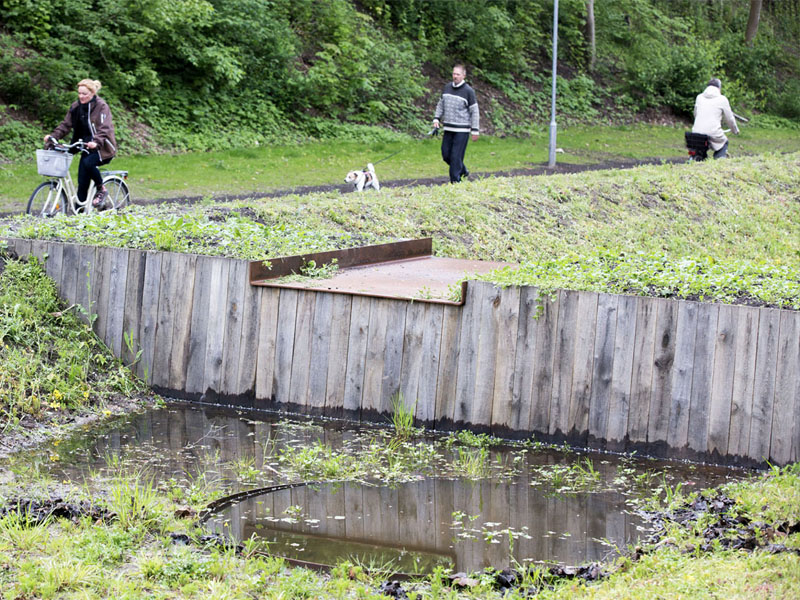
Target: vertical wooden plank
[
  {"x": 719, "y": 416},
  {"x": 340, "y": 334},
  {"x": 21, "y": 247},
  {"x": 322, "y": 361},
  {"x": 506, "y": 320},
  {"x": 39, "y": 250},
  {"x": 185, "y": 275},
  {"x": 88, "y": 277},
  {"x": 707, "y": 315},
  {"x": 449, "y": 353},
  {"x": 116, "y": 299},
  {"x": 643, "y": 354},
  {"x": 468, "y": 350},
  {"x": 764, "y": 384},
  {"x": 683, "y": 367},
  {"x": 301, "y": 355},
  {"x": 622, "y": 374},
  {"x": 234, "y": 307},
  {"x": 132, "y": 306},
  {"x": 583, "y": 365},
  {"x": 413, "y": 357},
  {"x": 393, "y": 355},
  {"x": 524, "y": 357},
  {"x": 269, "y": 300},
  {"x": 603, "y": 365},
  {"x": 248, "y": 346},
  {"x": 212, "y": 377},
  {"x": 429, "y": 369},
  {"x": 786, "y": 388},
  {"x": 199, "y": 324},
  {"x": 544, "y": 365},
  {"x": 55, "y": 254},
  {"x": 356, "y": 353},
  {"x": 375, "y": 357},
  {"x": 564, "y": 362},
  {"x": 487, "y": 320},
  {"x": 70, "y": 265},
  {"x": 745, "y": 351},
  {"x": 663, "y": 362},
  {"x": 165, "y": 320},
  {"x": 284, "y": 344},
  {"x": 11, "y": 245},
  {"x": 98, "y": 282},
  {"x": 149, "y": 320}
]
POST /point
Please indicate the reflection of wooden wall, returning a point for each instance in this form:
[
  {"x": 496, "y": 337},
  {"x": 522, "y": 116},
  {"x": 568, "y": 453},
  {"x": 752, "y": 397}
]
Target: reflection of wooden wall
[
  {"x": 418, "y": 516},
  {"x": 668, "y": 377}
]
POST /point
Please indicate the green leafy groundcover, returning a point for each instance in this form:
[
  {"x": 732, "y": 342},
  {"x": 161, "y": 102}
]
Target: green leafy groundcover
[
  {"x": 51, "y": 360},
  {"x": 721, "y": 231}
]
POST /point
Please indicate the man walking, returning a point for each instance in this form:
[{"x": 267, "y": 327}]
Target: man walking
[{"x": 457, "y": 113}]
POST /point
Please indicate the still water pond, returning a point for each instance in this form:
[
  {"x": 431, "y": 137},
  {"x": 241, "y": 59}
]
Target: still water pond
[{"x": 464, "y": 502}]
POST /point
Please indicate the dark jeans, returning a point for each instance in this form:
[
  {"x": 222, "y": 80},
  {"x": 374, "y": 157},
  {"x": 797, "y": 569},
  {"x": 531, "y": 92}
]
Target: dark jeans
[
  {"x": 88, "y": 171},
  {"x": 722, "y": 152},
  {"x": 454, "y": 145}
]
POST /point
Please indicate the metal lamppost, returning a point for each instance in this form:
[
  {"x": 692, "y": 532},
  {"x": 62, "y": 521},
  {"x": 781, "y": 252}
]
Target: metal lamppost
[{"x": 552, "y": 157}]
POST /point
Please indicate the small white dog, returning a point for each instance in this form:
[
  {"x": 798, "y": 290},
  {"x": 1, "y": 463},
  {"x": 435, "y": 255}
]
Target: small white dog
[{"x": 362, "y": 179}]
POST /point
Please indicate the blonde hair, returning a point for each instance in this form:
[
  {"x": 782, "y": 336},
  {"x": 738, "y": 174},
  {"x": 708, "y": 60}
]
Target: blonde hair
[{"x": 90, "y": 84}]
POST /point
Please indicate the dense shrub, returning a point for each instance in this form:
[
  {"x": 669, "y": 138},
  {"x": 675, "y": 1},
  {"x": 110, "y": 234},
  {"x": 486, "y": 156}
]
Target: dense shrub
[{"x": 211, "y": 73}]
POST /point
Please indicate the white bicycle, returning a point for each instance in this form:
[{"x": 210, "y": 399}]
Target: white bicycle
[{"x": 59, "y": 194}]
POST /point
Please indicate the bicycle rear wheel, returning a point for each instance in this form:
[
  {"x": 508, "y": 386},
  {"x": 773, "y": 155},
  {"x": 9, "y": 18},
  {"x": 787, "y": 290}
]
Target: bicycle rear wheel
[
  {"x": 119, "y": 196},
  {"x": 47, "y": 200}
]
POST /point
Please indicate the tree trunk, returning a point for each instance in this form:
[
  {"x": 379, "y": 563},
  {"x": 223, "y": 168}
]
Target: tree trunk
[
  {"x": 590, "y": 33},
  {"x": 752, "y": 22}
]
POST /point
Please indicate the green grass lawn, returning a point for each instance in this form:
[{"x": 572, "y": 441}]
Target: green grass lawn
[{"x": 263, "y": 169}]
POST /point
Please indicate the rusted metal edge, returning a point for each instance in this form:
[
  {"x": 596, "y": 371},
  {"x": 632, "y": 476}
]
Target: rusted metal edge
[
  {"x": 274, "y": 268},
  {"x": 309, "y": 288}
]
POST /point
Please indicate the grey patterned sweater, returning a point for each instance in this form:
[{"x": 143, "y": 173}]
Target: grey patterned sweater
[{"x": 457, "y": 109}]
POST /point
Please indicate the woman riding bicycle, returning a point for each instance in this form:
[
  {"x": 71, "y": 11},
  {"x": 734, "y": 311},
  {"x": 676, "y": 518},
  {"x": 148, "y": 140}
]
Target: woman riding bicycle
[{"x": 89, "y": 118}]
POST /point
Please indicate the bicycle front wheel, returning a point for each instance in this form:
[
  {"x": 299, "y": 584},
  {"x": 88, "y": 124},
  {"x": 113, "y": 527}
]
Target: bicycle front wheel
[
  {"x": 119, "y": 196},
  {"x": 47, "y": 200}
]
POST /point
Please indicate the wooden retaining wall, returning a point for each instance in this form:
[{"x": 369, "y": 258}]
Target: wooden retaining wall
[{"x": 670, "y": 378}]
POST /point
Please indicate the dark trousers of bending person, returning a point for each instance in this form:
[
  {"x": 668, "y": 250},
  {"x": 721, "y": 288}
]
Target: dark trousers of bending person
[{"x": 454, "y": 146}]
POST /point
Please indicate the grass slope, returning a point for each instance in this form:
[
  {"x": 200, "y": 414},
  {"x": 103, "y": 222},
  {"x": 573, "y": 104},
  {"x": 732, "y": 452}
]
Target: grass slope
[{"x": 726, "y": 231}]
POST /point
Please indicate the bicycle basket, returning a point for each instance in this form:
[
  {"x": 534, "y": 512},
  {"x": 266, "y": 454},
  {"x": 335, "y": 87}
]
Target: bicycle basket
[{"x": 53, "y": 164}]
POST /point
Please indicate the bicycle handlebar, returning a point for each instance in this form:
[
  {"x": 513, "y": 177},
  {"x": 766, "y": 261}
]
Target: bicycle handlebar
[{"x": 58, "y": 146}]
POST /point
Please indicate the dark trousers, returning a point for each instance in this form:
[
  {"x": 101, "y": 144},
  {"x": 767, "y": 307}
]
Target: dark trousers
[
  {"x": 454, "y": 145},
  {"x": 88, "y": 171},
  {"x": 722, "y": 152}
]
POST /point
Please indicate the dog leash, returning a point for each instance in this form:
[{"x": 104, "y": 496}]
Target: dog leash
[
  {"x": 432, "y": 133},
  {"x": 387, "y": 157}
]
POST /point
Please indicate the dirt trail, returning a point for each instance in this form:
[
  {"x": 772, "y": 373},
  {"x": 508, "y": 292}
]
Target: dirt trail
[{"x": 543, "y": 169}]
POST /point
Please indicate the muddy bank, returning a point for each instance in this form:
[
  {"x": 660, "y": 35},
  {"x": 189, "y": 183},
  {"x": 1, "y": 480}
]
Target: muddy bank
[{"x": 31, "y": 432}]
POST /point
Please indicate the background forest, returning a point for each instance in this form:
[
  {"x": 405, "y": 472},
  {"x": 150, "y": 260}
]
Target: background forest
[{"x": 206, "y": 74}]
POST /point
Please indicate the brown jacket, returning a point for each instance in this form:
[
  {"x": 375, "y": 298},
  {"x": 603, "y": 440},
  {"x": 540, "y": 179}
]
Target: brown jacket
[{"x": 101, "y": 124}]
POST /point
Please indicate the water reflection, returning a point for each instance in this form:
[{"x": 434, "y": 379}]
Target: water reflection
[
  {"x": 464, "y": 524},
  {"x": 538, "y": 511}
]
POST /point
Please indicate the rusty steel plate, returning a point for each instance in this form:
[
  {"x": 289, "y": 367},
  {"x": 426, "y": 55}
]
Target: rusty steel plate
[{"x": 372, "y": 271}]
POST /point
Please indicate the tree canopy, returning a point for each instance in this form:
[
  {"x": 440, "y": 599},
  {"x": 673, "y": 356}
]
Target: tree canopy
[{"x": 200, "y": 74}]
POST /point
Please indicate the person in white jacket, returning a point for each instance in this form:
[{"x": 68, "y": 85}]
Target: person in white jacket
[{"x": 709, "y": 110}]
